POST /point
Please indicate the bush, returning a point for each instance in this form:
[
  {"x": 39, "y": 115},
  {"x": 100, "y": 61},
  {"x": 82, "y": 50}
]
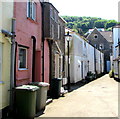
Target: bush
[
  {"x": 90, "y": 75},
  {"x": 111, "y": 73}
]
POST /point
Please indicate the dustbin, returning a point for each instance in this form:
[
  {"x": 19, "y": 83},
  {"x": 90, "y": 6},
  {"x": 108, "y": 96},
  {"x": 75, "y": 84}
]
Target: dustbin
[
  {"x": 26, "y": 101},
  {"x": 56, "y": 85},
  {"x": 41, "y": 95}
]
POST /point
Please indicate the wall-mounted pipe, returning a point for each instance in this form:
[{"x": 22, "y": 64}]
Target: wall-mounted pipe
[
  {"x": 12, "y": 78},
  {"x": 42, "y": 4}
]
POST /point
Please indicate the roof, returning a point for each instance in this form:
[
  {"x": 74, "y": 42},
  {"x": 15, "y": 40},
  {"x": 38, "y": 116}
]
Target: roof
[
  {"x": 99, "y": 29},
  {"x": 62, "y": 19},
  {"x": 51, "y": 5},
  {"x": 107, "y": 35},
  {"x": 117, "y": 26}
]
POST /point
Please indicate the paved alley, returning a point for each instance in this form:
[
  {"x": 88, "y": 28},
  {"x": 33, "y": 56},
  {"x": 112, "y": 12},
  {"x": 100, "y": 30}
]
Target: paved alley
[{"x": 96, "y": 99}]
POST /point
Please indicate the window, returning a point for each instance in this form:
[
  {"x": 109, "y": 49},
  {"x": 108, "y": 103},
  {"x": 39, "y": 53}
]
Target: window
[
  {"x": 0, "y": 61},
  {"x": 56, "y": 16},
  {"x": 119, "y": 51},
  {"x": 52, "y": 31},
  {"x": 95, "y": 36},
  {"x": 22, "y": 58},
  {"x": 51, "y": 13},
  {"x": 110, "y": 46},
  {"x": 118, "y": 40},
  {"x": 59, "y": 31},
  {"x": 101, "y": 46},
  {"x": 84, "y": 44},
  {"x": 31, "y": 9}
]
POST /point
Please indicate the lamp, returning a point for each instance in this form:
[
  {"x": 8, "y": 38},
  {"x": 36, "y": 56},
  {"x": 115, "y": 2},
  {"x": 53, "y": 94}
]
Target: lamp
[{"x": 68, "y": 38}]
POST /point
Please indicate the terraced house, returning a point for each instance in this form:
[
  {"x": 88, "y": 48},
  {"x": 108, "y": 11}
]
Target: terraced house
[
  {"x": 54, "y": 42},
  {"x": 6, "y": 15},
  {"x": 28, "y": 41}
]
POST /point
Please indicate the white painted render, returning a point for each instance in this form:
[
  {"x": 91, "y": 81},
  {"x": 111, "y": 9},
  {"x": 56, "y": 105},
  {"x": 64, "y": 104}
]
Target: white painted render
[
  {"x": 116, "y": 36},
  {"x": 82, "y": 58}
]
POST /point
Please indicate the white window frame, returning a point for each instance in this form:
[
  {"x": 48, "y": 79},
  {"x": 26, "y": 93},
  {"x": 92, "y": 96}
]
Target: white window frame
[
  {"x": 19, "y": 68},
  {"x": 102, "y": 46},
  {"x": 1, "y": 56},
  {"x": 31, "y": 9}
]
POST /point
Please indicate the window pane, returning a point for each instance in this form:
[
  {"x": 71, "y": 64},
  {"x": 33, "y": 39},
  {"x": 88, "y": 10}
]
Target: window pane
[
  {"x": 33, "y": 11},
  {"x": 22, "y": 58},
  {"x": 28, "y": 8}
]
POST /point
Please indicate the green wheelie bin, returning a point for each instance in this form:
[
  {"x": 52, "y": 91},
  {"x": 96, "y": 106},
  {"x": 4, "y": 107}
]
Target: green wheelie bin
[
  {"x": 41, "y": 95},
  {"x": 56, "y": 85},
  {"x": 26, "y": 101}
]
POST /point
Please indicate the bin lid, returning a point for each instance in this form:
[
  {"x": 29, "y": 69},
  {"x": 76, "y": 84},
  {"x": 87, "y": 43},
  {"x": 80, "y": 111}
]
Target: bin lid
[
  {"x": 57, "y": 79},
  {"x": 27, "y": 87},
  {"x": 43, "y": 84}
]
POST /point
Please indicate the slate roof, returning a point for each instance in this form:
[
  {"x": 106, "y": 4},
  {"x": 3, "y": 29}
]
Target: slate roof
[{"x": 107, "y": 35}]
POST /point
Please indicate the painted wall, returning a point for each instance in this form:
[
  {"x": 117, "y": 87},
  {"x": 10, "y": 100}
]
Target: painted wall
[
  {"x": 116, "y": 35},
  {"x": 6, "y": 13},
  {"x": 80, "y": 53},
  {"x": 25, "y": 29},
  {"x": 46, "y": 61},
  {"x": 90, "y": 54}
]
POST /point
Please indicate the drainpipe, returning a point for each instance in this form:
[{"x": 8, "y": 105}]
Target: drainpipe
[
  {"x": 33, "y": 58},
  {"x": 12, "y": 85},
  {"x": 95, "y": 60},
  {"x": 42, "y": 41},
  {"x": 16, "y": 45}
]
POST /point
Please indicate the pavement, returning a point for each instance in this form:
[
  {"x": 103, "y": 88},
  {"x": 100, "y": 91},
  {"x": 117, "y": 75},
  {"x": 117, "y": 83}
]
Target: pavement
[{"x": 98, "y": 98}]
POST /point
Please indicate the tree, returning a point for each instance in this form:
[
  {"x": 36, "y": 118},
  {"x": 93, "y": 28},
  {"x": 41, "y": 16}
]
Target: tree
[
  {"x": 76, "y": 23},
  {"x": 100, "y": 23},
  {"x": 110, "y": 23}
]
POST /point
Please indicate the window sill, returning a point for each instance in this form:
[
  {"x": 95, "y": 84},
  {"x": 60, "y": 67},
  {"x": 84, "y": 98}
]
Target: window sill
[
  {"x": 33, "y": 21},
  {"x": 22, "y": 69}
]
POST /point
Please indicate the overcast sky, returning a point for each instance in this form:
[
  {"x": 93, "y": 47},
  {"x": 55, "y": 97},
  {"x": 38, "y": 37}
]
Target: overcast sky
[{"x": 106, "y": 9}]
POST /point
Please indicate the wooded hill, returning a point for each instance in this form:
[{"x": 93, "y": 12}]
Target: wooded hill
[{"x": 83, "y": 24}]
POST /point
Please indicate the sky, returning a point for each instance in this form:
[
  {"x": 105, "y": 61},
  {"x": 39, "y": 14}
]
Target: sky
[{"x": 106, "y": 9}]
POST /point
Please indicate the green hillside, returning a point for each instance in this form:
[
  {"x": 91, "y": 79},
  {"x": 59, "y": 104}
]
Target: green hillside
[{"x": 83, "y": 24}]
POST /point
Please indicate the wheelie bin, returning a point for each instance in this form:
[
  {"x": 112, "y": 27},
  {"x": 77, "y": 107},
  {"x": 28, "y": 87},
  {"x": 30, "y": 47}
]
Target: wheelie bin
[
  {"x": 56, "y": 85},
  {"x": 26, "y": 101},
  {"x": 41, "y": 95}
]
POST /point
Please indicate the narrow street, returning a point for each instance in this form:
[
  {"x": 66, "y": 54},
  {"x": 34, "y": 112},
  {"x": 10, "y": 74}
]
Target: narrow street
[{"x": 98, "y": 98}]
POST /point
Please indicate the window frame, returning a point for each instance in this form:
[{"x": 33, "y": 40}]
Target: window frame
[
  {"x": 101, "y": 44},
  {"x": 26, "y": 67},
  {"x": 31, "y": 10},
  {"x": 51, "y": 13}
]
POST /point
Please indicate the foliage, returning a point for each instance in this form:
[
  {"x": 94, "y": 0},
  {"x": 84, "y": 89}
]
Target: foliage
[
  {"x": 111, "y": 73},
  {"x": 90, "y": 75},
  {"x": 110, "y": 23},
  {"x": 83, "y": 24}
]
